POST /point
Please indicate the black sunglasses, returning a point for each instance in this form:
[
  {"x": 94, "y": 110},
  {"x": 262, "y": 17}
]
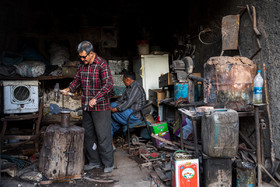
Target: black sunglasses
[{"x": 84, "y": 57}]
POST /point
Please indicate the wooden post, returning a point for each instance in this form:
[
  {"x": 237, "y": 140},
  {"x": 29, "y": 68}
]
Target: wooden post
[{"x": 62, "y": 152}]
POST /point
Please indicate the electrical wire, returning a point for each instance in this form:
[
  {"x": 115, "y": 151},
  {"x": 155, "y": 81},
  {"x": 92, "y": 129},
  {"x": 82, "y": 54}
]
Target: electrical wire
[{"x": 203, "y": 32}]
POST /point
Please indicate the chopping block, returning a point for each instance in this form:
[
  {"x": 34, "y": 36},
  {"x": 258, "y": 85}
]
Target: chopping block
[{"x": 62, "y": 152}]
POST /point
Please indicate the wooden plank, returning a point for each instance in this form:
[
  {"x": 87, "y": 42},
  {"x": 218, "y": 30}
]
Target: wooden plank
[
  {"x": 160, "y": 173},
  {"x": 156, "y": 179},
  {"x": 162, "y": 139},
  {"x": 247, "y": 141},
  {"x": 11, "y": 171},
  {"x": 18, "y": 137},
  {"x": 19, "y": 117}
]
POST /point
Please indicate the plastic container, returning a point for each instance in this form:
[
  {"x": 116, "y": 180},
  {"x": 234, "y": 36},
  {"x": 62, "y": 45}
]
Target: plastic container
[
  {"x": 220, "y": 133},
  {"x": 258, "y": 87}
]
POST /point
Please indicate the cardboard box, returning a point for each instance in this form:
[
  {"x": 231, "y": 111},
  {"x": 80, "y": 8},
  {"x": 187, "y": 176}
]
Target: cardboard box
[
  {"x": 161, "y": 130},
  {"x": 159, "y": 127}
]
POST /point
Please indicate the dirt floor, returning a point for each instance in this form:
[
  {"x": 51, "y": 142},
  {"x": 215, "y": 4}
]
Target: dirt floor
[
  {"x": 127, "y": 172},
  {"x": 141, "y": 168}
]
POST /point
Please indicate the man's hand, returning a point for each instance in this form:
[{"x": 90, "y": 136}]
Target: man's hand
[
  {"x": 113, "y": 110},
  {"x": 92, "y": 102},
  {"x": 65, "y": 91}
]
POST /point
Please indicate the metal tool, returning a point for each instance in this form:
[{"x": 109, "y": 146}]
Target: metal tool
[
  {"x": 56, "y": 95},
  {"x": 69, "y": 93},
  {"x": 86, "y": 106},
  {"x": 253, "y": 18},
  {"x": 55, "y": 109},
  {"x": 181, "y": 68}
]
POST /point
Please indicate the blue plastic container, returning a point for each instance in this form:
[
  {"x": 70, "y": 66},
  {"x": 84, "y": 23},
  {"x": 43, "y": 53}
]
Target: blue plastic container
[{"x": 181, "y": 90}]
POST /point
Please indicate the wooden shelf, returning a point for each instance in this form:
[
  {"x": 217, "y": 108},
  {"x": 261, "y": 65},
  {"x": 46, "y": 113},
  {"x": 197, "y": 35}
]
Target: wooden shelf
[{"x": 35, "y": 78}]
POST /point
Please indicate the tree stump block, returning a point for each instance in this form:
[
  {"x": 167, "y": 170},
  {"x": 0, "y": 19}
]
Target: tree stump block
[{"x": 62, "y": 152}]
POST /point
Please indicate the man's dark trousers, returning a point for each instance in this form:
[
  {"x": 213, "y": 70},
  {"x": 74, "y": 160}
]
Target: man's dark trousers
[{"x": 98, "y": 138}]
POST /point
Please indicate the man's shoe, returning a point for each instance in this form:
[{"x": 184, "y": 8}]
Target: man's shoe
[
  {"x": 91, "y": 166},
  {"x": 108, "y": 169}
]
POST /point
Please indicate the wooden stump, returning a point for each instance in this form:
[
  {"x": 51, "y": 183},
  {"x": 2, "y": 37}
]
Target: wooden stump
[{"x": 62, "y": 152}]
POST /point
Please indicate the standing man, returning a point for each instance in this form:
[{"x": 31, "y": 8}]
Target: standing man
[
  {"x": 95, "y": 79},
  {"x": 133, "y": 98}
]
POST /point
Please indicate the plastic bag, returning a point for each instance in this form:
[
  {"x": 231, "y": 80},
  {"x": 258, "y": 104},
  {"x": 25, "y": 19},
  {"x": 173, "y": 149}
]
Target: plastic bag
[{"x": 187, "y": 129}]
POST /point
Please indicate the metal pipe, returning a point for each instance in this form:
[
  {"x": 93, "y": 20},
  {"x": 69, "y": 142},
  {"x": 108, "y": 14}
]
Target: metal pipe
[
  {"x": 272, "y": 153},
  {"x": 195, "y": 137},
  {"x": 193, "y": 77},
  {"x": 258, "y": 142}
]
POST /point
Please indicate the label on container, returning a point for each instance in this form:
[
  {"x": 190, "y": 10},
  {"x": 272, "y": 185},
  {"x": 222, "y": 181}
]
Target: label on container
[
  {"x": 188, "y": 175},
  {"x": 257, "y": 90}
]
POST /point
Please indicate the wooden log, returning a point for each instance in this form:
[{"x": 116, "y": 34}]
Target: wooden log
[{"x": 62, "y": 152}]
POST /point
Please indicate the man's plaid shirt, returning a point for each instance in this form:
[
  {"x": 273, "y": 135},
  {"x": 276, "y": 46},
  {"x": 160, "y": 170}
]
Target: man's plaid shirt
[{"x": 96, "y": 82}]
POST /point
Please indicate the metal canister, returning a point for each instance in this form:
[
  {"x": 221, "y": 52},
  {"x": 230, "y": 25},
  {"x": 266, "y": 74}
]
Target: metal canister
[
  {"x": 181, "y": 90},
  {"x": 65, "y": 118},
  {"x": 184, "y": 170}
]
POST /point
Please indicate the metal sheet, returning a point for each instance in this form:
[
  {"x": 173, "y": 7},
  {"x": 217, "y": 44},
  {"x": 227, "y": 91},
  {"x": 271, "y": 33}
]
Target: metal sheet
[{"x": 230, "y": 29}]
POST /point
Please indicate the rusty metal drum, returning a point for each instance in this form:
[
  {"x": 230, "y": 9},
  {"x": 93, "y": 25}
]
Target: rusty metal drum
[{"x": 229, "y": 82}]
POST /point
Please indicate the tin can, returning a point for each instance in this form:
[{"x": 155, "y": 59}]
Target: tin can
[{"x": 184, "y": 170}]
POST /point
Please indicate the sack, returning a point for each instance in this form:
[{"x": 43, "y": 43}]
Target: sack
[{"x": 31, "y": 68}]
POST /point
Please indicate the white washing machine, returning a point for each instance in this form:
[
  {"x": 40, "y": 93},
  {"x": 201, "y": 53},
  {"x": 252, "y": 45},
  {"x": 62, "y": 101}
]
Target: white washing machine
[{"x": 20, "y": 96}]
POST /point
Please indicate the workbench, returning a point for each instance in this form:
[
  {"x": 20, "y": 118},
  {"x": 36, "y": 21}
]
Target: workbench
[{"x": 170, "y": 110}]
